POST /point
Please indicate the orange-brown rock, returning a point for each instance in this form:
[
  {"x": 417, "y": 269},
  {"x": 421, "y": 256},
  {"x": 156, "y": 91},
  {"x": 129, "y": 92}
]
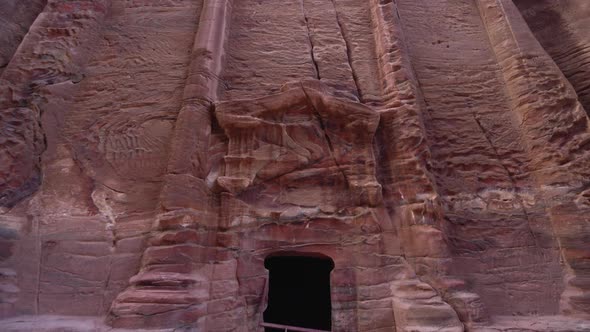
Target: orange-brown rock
[{"x": 156, "y": 155}]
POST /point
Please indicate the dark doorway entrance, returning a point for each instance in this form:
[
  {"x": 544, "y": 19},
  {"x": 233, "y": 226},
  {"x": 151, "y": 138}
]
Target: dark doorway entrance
[{"x": 299, "y": 292}]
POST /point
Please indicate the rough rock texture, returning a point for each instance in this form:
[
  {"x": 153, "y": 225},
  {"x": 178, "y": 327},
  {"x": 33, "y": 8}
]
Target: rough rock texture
[
  {"x": 16, "y": 16},
  {"x": 568, "y": 20},
  {"x": 153, "y": 153}
]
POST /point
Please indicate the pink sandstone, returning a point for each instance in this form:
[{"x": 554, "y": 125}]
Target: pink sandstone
[{"x": 154, "y": 154}]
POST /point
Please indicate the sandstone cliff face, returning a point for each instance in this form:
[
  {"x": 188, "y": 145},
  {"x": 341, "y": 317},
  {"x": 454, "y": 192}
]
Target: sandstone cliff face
[{"x": 154, "y": 153}]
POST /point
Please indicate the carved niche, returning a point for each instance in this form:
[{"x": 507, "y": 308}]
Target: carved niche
[{"x": 298, "y": 154}]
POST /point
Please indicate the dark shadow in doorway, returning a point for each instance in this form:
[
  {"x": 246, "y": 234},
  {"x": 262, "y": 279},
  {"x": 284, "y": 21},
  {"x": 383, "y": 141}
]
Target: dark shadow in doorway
[{"x": 299, "y": 292}]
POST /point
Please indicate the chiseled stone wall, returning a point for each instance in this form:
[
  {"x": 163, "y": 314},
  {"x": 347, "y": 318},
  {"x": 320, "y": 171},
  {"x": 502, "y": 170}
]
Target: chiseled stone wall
[{"x": 154, "y": 152}]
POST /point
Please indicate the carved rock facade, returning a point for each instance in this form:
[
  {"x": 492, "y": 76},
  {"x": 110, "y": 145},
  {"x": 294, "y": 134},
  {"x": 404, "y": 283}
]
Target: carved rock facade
[{"x": 153, "y": 154}]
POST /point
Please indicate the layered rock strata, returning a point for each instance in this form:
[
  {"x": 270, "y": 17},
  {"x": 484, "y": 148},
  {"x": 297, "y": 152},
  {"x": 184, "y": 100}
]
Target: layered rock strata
[{"x": 153, "y": 154}]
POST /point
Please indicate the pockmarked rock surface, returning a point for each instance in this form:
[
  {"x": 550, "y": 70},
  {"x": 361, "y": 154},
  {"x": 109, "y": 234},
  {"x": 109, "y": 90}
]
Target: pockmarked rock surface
[{"x": 154, "y": 154}]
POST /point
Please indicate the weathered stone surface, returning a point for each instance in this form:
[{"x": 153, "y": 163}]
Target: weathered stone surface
[
  {"x": 17, "y": 17},
  {"x": 154, "y": 153}
]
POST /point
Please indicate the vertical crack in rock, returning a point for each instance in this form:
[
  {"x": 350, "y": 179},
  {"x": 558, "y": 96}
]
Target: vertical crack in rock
[
  {"x": 348, "y": 51},
  {"x": 326, "y": 136},
  {"x": 107, "y": 281},
  {"x": 100, "y": 202},
  {"x": 311, "y": 45},
  {"x": 510, "y": 177},
  {"x": 39, "y": 248}
]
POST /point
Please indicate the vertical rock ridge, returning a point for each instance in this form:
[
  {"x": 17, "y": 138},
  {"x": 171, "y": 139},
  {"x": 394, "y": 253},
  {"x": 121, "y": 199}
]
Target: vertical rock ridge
[
  {"x": 185, "y": 282},
  {"x": 404, "y": 107},
  {"x": 313, "y": 60},
  {"x": 528, "y": 71}
]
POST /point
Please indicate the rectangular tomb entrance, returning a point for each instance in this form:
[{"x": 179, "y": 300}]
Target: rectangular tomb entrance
[{"x": 299, "y": 293}]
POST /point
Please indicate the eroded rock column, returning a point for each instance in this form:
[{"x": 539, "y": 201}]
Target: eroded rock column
[
  {"x": 555, "y": 133},
  {"x": 411, "y": 193},
  {"x": 182, "y": 267}
]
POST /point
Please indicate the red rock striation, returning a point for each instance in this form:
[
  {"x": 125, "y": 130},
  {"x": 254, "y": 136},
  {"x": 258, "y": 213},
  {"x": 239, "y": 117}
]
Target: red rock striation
[{"x": 154, "y": 153}]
